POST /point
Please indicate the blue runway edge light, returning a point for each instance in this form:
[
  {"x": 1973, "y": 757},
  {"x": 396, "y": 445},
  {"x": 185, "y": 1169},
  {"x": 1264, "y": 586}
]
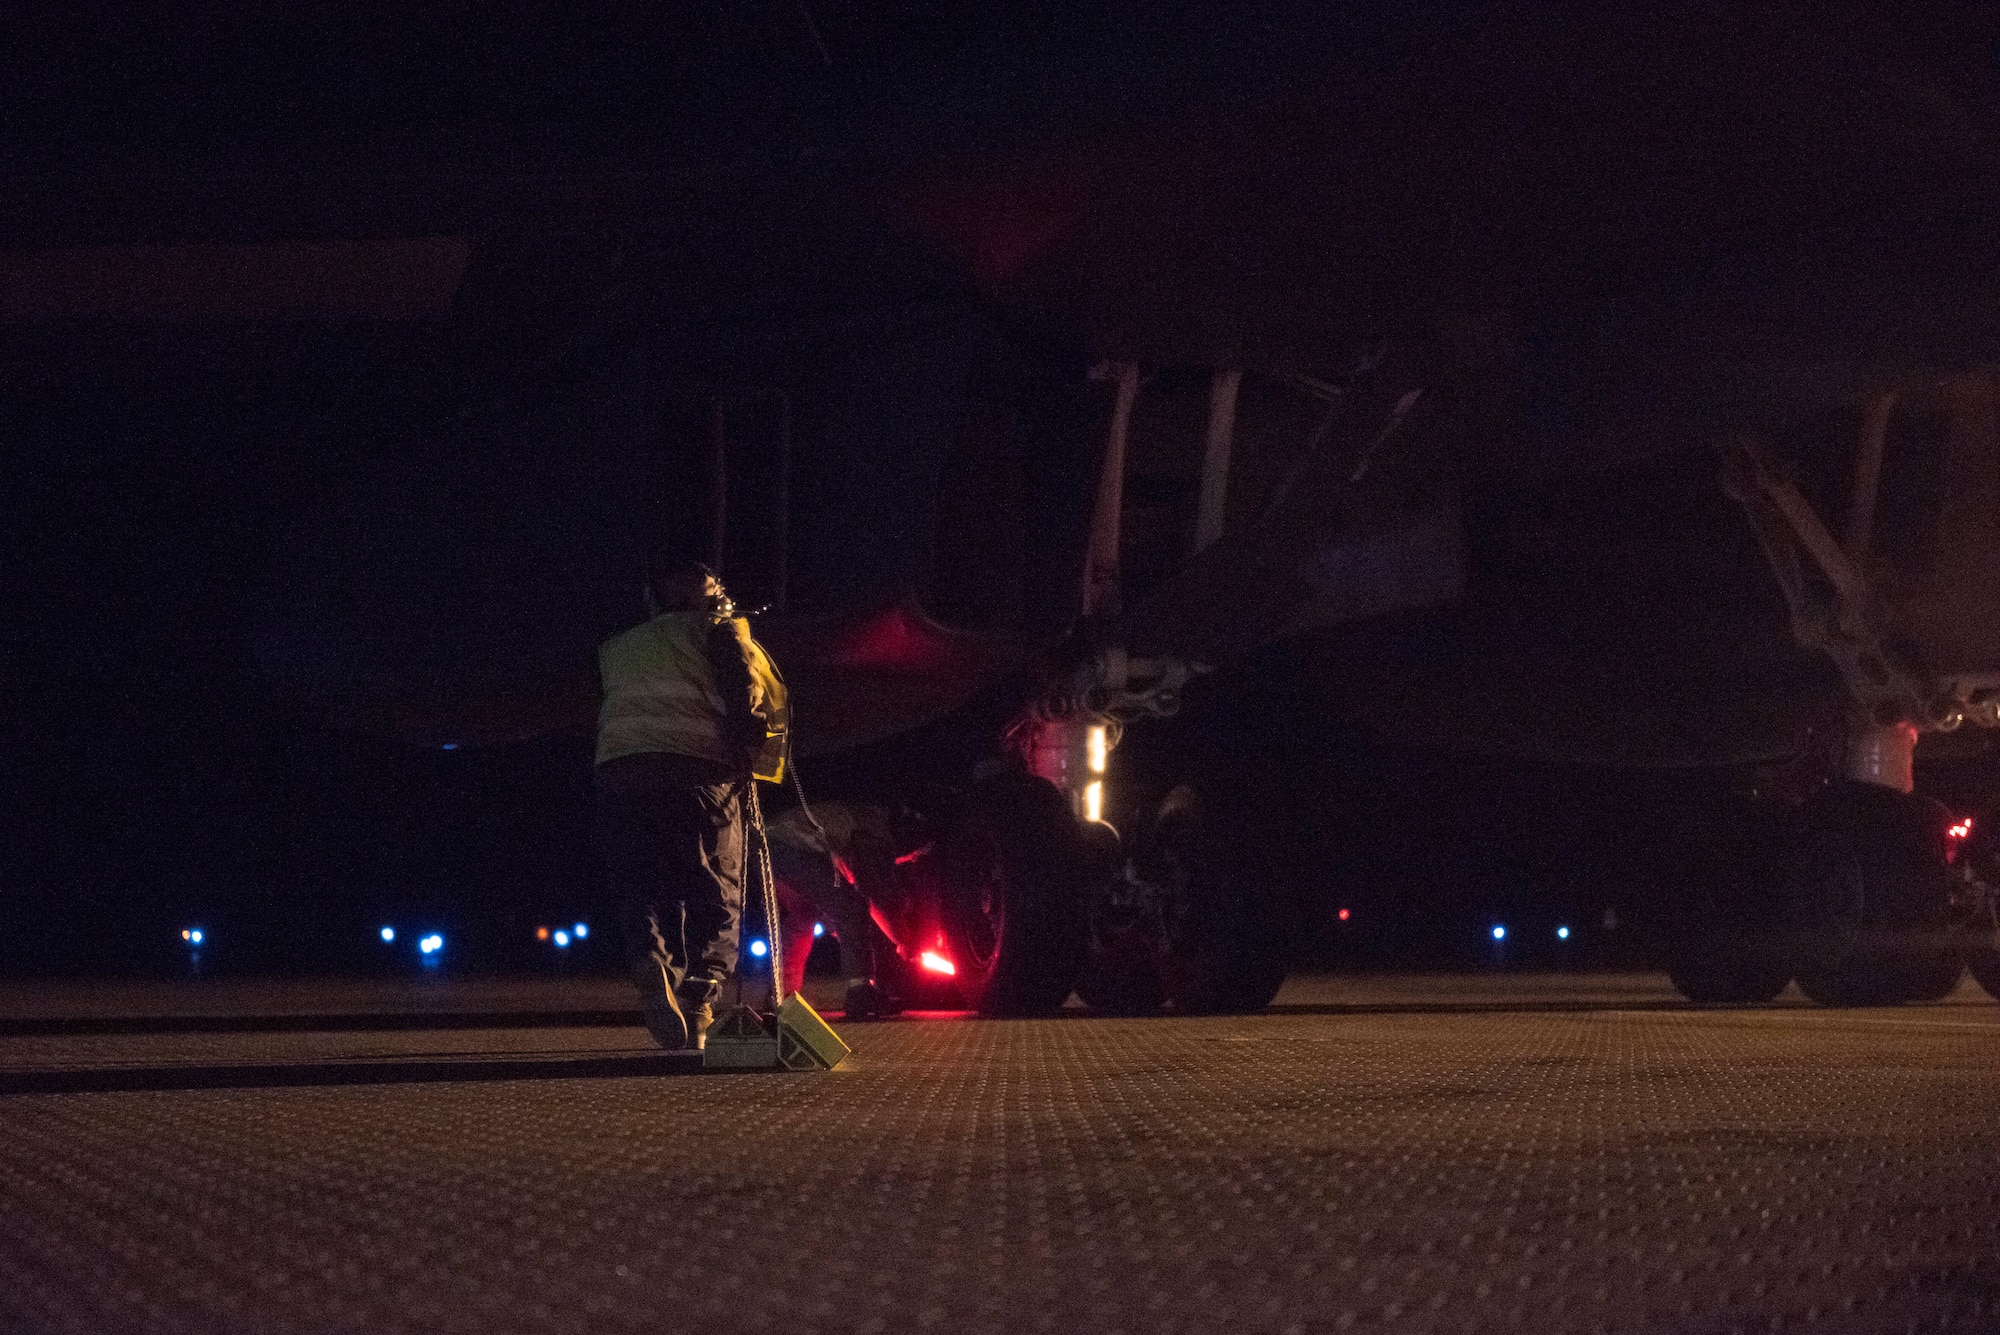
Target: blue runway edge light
[
  {"x": 1499, "y": 932},
  {"x": 580, "y": 931},
  {"x": 1562, "y": 933},
  {"x": 562, "y": 939},
  {"x": 388, "y": 934},
  {"x": 759, "y": 948}
]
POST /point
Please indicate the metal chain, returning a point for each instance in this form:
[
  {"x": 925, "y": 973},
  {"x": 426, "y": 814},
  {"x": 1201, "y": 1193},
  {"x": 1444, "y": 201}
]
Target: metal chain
[
  {"x": 770, "y": 892},
  {"x": 825, "y": 839}
]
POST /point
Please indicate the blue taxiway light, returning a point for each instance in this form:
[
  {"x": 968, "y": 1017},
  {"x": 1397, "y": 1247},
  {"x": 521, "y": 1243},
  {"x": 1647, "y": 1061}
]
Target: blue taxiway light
[
  {"x": 562, "y": 940},
  {"x": 1499, "y": 932},
  {"x": 580, "y": 931},
  {"x": 759, "y": 948},
  {"x": 819, "y": 929},
  {"x": 449, "y": 746},
  {"x": 388, "y": 934},
  {"x": 1562, "y": 933},
  {"x": 431, "y": 944}
]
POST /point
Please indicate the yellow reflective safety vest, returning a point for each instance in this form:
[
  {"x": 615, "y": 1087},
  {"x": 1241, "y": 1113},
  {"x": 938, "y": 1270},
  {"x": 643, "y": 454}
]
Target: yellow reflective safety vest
[{"x": 660, "y": 696}]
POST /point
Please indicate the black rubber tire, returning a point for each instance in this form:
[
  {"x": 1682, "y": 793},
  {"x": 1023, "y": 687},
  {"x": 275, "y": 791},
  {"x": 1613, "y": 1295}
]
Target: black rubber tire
[
  {"x": 1122, "y": 982},
  {"x": 1984, "y": 966},
  {"x": 1727, "y": 944},
  {"x": 1893, "y": 981},
  {"x": 1934, "y": 977},
  {"x": 1858, "y": 981},
  {"x": 1729, "y": 979},
  {"x": 1014, "y": 897},
  {"x": 1226, "y": 939},
  {"x": 1122, "y": 974},
  {"x": 1728, "y": 951},
  {"x": 1876, "y": 881}
]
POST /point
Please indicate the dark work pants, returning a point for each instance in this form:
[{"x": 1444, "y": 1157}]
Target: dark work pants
[
  {"x": 671, "y": 830},
  {"x": 809, "y": 892}
]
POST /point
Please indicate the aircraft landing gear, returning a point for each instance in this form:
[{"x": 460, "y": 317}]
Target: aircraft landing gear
[
  {"x": 1716, "y": 965},
  {"x": 1728, "y": 978},
  {"x": 1875, "y": 899},
  {"x": 1014, "y": 906},
  {"x": 1976, "y": 910},
  {"x": 1984, "y": 965},
  {"x": 1727, "y": 948},
  {"x": 1189, "y": 919},
  {"x": 1123, "y": 975},
  {"x": 1226, "y": 951}
]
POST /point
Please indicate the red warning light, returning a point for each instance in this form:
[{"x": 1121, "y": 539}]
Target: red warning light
[
  {"x": 1955, "y": 836},
  {"x": 937, "y": 963},
  {"x": 1344, "y": 915}
]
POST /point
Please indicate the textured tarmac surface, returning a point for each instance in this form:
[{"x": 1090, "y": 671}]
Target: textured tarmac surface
[{"x": 1395, "y": 1153}]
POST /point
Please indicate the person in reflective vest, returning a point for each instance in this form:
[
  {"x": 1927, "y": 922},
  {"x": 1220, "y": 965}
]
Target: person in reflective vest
[{"x": 693, "y": 712}]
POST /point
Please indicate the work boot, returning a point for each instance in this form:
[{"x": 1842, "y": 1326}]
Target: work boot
[
  {"x": 698, "y": 1006},
  {"x": 699, "y": 1017},
  {"x": 664, "y": 1019},
  {"x": 866, "y": 1001}
]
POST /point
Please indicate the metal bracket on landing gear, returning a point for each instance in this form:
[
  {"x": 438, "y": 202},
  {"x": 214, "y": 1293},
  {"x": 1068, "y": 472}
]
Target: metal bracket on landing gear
[
  {"x": 1117, "y": 685},
  {"x": 1837, "y": 612}
]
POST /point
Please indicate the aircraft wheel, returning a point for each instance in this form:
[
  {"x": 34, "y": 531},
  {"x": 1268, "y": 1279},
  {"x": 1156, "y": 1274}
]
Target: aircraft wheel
[
  {"x": 1876, "y": 895},
  {"x": 1933, "y": 977},
  {"x": 1984, "y": 965},
  {"x": 1122, "y": 982},
  {"x": 1727, "y": 953},
  {"x": 1013, "y": 894},
  {"x": 1715, "y": 978},
  {"x": 1226, "y": 949},
  {"x": 1122, "y": 975},
  {"x": 1892, "y": 981}
]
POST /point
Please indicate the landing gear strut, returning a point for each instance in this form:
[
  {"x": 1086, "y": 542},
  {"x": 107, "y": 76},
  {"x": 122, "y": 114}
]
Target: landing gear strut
[{"x": 1876, "y": 917}]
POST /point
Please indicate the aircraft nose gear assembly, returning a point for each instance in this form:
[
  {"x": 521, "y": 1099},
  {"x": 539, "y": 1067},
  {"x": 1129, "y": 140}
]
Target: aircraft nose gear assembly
[
  {"x": 1179, "y": 911},
  {"x": 1876, "y": 904}
]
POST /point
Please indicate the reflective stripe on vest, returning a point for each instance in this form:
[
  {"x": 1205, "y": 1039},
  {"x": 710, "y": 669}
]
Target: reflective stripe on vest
[{"x": 774, "y": 704}]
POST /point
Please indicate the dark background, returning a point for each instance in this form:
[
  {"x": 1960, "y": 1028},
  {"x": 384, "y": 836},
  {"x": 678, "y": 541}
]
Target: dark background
[
  {"x": 174, "y": 492},
  {"x": 170, "y": 489}
]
